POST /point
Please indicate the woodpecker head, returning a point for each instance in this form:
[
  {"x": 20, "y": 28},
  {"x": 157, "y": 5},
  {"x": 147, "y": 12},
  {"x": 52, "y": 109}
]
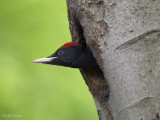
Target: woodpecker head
[{"x": 73, "y": 55}]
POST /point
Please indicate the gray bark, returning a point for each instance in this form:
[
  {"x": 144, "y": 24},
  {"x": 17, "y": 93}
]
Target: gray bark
[{"x": 124, "y": 37}]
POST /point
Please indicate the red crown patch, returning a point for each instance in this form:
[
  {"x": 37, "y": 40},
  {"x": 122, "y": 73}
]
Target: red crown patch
[{"x": 66, "y": 45}]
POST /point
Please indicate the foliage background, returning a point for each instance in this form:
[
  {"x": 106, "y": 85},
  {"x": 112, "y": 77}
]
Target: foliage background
[{"x": 31, "y": 29}]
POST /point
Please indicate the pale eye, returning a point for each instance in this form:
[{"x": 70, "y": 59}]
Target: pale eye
[{"x": 60, "y": 52}]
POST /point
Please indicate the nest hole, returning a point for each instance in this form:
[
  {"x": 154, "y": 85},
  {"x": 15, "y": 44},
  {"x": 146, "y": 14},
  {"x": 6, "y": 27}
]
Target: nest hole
[{"x": 94, "y": 78}]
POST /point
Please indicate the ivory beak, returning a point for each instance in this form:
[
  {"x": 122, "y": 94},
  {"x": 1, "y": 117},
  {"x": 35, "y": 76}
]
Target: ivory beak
[{"x": 43, "y": 60}]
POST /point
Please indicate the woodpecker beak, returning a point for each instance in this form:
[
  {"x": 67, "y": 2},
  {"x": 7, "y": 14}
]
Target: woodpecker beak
[{"x": 44, "y": 60}]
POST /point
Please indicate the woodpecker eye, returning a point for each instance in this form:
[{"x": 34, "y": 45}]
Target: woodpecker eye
[{"x": 60, "y": 52}]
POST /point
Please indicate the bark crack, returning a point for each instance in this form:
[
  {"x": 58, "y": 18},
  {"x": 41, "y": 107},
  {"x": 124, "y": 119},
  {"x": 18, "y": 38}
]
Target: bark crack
[
  {"x": 144, "y": 100},
  {"x": 140, "y": 38}
]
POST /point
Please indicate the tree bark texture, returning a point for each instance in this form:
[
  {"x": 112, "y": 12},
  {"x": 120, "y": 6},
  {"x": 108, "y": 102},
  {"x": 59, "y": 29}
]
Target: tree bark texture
[{"x": 124, "y": 36}]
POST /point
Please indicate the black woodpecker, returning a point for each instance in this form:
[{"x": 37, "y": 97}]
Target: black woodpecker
[{"x": 73, "y": 55}]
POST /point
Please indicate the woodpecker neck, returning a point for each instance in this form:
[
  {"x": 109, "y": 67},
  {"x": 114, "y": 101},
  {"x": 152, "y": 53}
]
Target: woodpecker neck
[{"x": 86, "y": 60}]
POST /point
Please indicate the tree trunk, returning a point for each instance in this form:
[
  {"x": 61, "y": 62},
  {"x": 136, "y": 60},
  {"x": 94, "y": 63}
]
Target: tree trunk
[{"x": 124, "y": 37}]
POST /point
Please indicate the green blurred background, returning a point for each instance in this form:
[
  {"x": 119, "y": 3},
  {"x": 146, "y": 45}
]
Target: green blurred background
[{"x": 31, "y": 29}]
